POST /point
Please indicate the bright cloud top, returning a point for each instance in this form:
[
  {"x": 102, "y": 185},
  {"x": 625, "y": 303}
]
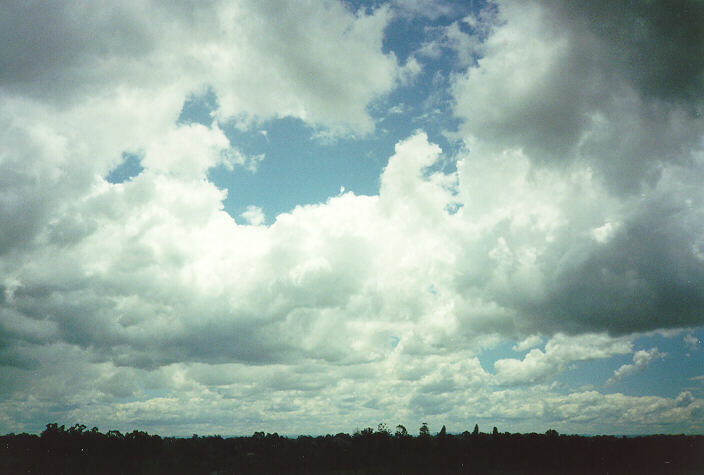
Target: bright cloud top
[{"x": 548, "y": 222}]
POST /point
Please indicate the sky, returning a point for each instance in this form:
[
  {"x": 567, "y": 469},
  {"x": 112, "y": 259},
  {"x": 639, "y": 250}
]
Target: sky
[{"x": 309, "y": 217}]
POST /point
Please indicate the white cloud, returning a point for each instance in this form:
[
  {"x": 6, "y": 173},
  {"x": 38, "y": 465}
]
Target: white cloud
[
  {"x": 133, "y": 303},
  {"x": 253, "y": 215},
  {"x": 466, "y": 47},
  {"x": 409, "y": 71},
  {"x": 691, "y": 341},
  {"x": 322, "y": 64},
  {"x": 319, "y": 62},
  {"x": 560, "y": 351},
  {"x": 528, "y": 343},
  {"x": 67, "y": 118},
  {"x": 431, "y": 9},
  {"x": 545, "y": 111},
  {"x": 641, "y": 360},
  {"x": 564, "y": 85},
  {"x": 593, "y": 409},
  {"x": 189, "y": 151},
  {"x": 604, "y": 233},
  {"x": 389, "y": 297}
]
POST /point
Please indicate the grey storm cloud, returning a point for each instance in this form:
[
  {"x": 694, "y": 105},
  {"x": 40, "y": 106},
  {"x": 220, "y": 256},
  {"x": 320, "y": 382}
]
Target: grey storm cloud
[
  {"x": 613, "y": 84},
  {"x": 55, "y": 48},
  {"x": 613, "y": 88},
  {"x": 654, "y": 44},
  {"x": 647, "y": 277}
]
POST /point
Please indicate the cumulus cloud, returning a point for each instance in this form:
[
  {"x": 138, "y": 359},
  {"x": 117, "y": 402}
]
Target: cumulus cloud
[
  {"x": 591, "y": 408},
  {"x": 92, "y": 269},
  {"x": 136, "y": 302},
  {"x": 558, "y": 96},
  {"x": 691, "y": 341},
  {"x": 465, "y": 46},
  {"x": 81, "y": 86},
  {"x": 154, "y": 285},
  {"x": 430, "y": 9},
  {"x": 641, "y": 360},
  {"x": 97, "y": 82},
  {"x": 539, "y": 366},
  {"x": 318, "y": 62},
  {"x": 608, "y": 85},
  {"x": 253, "y": 215},
  {"x": 528, "y": 343}
]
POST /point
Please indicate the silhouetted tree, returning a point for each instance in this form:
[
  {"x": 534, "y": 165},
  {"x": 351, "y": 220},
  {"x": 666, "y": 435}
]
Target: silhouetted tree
[
  {"x": 80, "y": 451},
  {"x": 401, "y": 431},
  {"x": 495, "y": 431},
  {"x": 77, "y": 429},
  {"x": 476, "y": 429}
]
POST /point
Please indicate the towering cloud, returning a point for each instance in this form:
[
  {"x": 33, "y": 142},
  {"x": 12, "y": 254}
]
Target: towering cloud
[{"x": 566, "y": 217}]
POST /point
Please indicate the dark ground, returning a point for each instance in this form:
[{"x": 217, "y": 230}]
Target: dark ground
[{"x": 79, "y": 451}]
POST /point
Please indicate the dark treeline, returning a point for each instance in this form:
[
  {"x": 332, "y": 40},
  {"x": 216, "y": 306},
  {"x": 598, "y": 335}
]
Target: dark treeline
[{"x": 77, "y": 450}]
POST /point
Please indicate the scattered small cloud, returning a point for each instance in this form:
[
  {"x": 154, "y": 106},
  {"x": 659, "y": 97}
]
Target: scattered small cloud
[
  {"x": 410, "y": 70},
  {"x": 254, "y": 215},
  {"x": 528, "y": 343},
  {"x": 430, "y": 9},
  {"x": 691, "y": 342},
  {"x": 641, "y": 360},
  {"x": 397, "y": 109},
  {"x": 540, "y": 366}
]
